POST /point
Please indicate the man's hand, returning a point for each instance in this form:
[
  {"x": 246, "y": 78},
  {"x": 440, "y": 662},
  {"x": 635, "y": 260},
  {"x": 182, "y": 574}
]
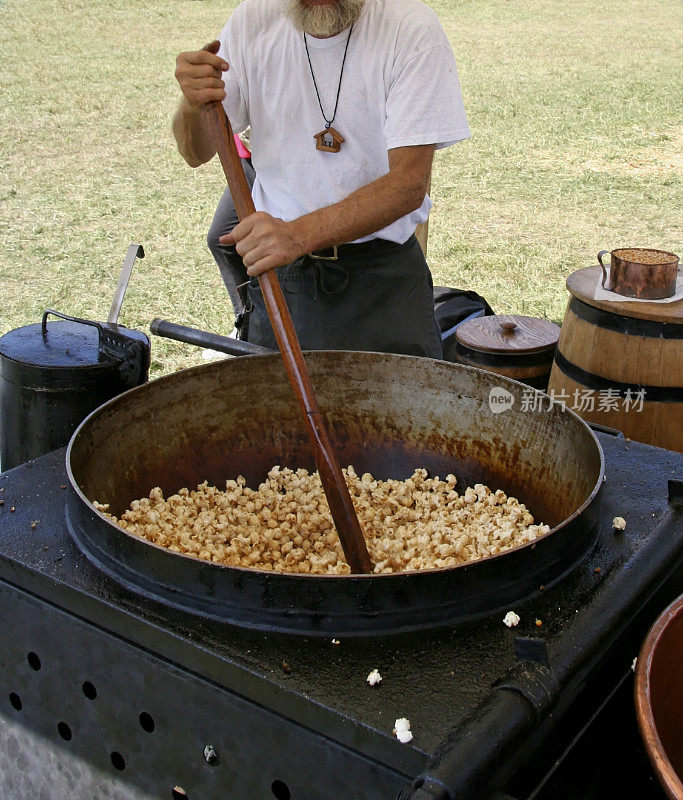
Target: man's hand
[
  {"x": 265, "y": 242},
  {"x": 199, "y": 75}
]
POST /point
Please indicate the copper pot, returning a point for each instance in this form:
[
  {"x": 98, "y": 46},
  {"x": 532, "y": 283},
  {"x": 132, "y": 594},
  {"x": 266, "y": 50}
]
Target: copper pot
[
  {"x": 640, "y": 272},
  {"x": 659, "y": 698}
]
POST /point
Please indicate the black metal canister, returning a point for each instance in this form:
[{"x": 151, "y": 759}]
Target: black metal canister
[{"x": 52, "y": 376}]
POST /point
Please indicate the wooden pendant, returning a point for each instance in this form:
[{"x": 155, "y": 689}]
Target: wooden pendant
[{"x": 329, "y": 140}]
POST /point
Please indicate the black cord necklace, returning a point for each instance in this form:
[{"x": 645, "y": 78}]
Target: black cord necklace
[{"x": 329, "y": 140}]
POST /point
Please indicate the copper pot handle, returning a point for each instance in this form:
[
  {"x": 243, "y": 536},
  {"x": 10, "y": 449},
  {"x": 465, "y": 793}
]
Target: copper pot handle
[{"x": 604, "y": 270}]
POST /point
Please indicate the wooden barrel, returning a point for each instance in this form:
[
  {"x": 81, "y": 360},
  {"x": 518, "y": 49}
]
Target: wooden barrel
[
  {"x": 620, "y": 364},
  {"x": 517, "y": 347}
]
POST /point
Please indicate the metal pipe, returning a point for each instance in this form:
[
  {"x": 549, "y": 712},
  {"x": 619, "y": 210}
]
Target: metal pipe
[
  {"x": 224, "y": 344},
  {"x": 515, "y": 706}
]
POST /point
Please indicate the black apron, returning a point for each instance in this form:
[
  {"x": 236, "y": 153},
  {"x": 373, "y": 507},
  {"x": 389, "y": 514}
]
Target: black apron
[{"x": 377, "y": 297}]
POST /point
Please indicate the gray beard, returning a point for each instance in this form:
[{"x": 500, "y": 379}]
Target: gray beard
[{"x": 323, "y": 21}]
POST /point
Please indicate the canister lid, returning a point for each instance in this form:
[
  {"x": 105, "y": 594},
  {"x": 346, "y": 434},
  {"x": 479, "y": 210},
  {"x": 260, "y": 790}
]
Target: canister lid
[
  {"x": 67, "y": 345},
  {"x": 508, "y": 334}
]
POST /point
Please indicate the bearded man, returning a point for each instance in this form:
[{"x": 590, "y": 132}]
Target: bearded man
[{"x": 347, "y": 101}]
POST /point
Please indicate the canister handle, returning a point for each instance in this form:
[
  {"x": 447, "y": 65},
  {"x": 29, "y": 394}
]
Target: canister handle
[
  {"x": 66, "y": 317},
  {"x": 604, "y": 270}
]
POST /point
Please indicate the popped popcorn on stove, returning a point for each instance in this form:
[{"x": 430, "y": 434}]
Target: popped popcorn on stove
[
  {"x": 511, "y": 619},
  {"x": 374, "y": 677},
  {"x": 402, "y": 730}
]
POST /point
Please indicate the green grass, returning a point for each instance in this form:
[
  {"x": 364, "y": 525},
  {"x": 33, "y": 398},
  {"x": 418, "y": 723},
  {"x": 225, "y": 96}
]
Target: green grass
[{"x": 575, "y": 110}]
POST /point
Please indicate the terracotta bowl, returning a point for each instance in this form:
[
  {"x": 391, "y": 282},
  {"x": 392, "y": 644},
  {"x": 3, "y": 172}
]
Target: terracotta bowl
[{"x": 659, "y": 698}]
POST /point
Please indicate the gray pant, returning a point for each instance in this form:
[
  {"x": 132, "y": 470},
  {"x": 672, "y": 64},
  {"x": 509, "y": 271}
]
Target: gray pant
[
  {"x": 376, "y": 299},
  {"x": 379, "y": 301},
  {"x": 229, "y": 262}
]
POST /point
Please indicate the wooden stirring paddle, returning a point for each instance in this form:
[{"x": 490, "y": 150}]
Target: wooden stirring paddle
[{"x": 334, "y": 485}]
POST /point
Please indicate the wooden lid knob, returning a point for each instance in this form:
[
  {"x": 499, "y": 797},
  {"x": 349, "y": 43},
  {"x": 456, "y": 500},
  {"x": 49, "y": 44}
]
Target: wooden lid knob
[{"x": 508, "y": 327}]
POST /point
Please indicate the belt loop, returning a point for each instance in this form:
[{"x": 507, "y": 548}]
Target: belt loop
[{"x": 326, "y": 275}]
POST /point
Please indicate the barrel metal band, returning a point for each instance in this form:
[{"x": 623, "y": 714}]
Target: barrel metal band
[
  {"x": 511, "y": 358},
  {"x": 653, "y": 394},
  {"x": 627, "y": 325}
]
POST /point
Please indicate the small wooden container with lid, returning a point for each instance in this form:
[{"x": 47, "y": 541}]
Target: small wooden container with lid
[{"x": 517, "y": 347}]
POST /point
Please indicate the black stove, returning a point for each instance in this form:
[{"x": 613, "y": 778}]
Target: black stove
[{"x": 106, "y": 696}]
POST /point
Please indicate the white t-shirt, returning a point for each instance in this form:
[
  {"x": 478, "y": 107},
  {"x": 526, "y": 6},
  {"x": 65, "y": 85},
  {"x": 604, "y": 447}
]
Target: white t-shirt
[{"x": 399, "y": 87}]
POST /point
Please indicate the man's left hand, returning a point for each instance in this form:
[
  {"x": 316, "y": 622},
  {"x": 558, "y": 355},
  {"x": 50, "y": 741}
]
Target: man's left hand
[{"x": 265, "y": 242}]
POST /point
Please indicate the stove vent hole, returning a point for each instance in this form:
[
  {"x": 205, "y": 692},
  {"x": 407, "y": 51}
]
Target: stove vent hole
[
  {"x": 33, "y": 661},
  {"x": 118, "y": 761},
  {"x": 280, "y": 791},
  {"x": 64, "y": 731},
  {"x": 15, "y": 701},
  {"x": 178, "y": 793},
  {"x": 89, "y": 690},
  {"x": 146, "y": 722}
]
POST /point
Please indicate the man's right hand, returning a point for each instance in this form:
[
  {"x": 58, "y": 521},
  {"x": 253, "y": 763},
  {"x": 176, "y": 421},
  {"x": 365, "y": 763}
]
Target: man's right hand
[{"x": 199, "y": 75}]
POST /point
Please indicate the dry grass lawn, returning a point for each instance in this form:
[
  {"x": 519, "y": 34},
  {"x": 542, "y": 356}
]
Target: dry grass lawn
[{"x": 576, "y": 119}]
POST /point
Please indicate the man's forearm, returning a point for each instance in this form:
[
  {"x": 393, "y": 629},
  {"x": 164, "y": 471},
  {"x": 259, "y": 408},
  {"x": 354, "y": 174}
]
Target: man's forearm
[
  {"x": 265, "y": 242},
  {"x": 192, "y": 134},
  {"x": 363, "y": 212},
  {"x": 367, "y": 210}
]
